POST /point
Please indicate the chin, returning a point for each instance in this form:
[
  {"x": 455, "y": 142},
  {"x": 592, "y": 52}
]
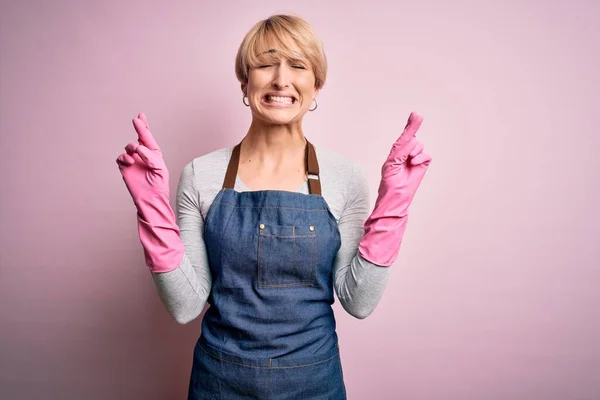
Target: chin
[
  {"x": 275, "y": 119},
  {"x": 280, "y": 122}
]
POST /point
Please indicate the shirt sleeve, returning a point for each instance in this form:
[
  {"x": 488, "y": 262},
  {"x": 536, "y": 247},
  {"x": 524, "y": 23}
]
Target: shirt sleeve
[
  {"x": 358, "y": 283},
  {"x": 184, "y": 291}
]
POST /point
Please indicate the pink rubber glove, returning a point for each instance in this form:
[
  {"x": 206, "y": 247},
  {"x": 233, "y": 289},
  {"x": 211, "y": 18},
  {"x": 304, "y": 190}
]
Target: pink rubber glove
[
  {"x": 401, "y": 175},
  {"x": 147, "y": 179}
]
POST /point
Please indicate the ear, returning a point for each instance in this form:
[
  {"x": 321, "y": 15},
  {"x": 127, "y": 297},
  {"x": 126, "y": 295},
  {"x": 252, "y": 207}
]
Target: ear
[{"x": 244, "y": 85}]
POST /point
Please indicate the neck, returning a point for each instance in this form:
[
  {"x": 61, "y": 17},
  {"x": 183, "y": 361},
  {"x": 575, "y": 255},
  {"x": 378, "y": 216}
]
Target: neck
[{"x": 272, "y": 143}]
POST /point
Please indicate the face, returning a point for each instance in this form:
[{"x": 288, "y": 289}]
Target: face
[{"x": 280, "y": 90}]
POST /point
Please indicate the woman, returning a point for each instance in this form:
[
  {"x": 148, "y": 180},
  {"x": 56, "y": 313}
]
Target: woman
[{"x": 266, "y": 231}]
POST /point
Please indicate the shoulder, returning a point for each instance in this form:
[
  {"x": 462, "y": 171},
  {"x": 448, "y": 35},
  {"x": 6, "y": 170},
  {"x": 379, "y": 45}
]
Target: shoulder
[
  {"x": 207, "y": 167},
  {"x": 204, "y": 175},
  {"x": 215, "y": 159},
  {"x": 337, "y": 168},
  {"x": 343, "y": 180}
]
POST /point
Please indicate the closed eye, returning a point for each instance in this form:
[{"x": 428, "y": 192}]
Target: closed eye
[{"x": 298, "y": 66}]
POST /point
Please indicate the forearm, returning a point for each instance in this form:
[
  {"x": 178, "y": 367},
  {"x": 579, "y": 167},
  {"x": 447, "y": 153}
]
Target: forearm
[
  {"x": 184, "y": 291},
  {"x": 360, "y": 286}
]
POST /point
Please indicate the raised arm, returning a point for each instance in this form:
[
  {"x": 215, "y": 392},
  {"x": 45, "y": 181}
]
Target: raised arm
[
  {"x": 180, "y": 271},
  {"x": 370, "y": 243},
  {"x": 359, "y": 284}
]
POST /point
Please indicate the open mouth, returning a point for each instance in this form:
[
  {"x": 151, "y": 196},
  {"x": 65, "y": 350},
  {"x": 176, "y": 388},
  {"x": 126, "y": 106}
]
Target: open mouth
[{"x": 280, "y": 99}]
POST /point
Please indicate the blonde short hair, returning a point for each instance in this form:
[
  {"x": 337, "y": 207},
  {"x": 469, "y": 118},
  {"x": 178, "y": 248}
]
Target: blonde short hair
[{"x": 283, "y": 31}]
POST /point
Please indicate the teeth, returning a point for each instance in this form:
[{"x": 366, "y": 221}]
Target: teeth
[{"x": 280, "y": 99}]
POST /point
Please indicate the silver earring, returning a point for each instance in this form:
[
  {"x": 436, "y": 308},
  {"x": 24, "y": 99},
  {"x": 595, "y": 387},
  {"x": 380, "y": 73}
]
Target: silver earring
[
  {"x": 316, "y": 106},
  {"x": 244, "y": 101}
]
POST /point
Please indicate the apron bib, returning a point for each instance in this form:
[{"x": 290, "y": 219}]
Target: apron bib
[{"x": 269, "y": 332}]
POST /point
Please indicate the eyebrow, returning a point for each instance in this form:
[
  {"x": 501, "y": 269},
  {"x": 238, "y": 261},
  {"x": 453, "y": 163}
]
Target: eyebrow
[
  {"x": 271, "y": 51},
  {"x": 268, "y": 51}
]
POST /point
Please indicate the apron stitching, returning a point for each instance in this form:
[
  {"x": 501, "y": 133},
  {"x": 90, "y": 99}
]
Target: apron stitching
[
  {"x": 281, "y": 207},
  {"x": 260, "y": 283},
  {"x": 294, "y": 250},
  {"x": 314, "y": 261},
  {"x": 284, "y": 285},
  {"x": 288, "y": 236},
  {"x": 222, "y": 231},
  {"x": 270, "y": 366}
]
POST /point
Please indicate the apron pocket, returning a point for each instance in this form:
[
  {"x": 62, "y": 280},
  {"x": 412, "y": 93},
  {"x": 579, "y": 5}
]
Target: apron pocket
[{"x": 286, "y": 255}]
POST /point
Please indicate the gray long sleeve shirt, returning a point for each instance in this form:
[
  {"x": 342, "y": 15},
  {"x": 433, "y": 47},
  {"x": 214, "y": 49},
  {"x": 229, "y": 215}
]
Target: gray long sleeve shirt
[{"x": 358, "y": 283}]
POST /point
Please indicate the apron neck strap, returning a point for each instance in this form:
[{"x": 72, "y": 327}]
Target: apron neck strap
[{"x": 312, "y": 169}]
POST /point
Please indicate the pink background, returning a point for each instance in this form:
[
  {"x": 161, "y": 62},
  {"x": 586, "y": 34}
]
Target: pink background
[{"x": 495, "y": 293}]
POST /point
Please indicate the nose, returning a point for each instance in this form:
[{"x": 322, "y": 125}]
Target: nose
[{"x": 281, "y": 77}]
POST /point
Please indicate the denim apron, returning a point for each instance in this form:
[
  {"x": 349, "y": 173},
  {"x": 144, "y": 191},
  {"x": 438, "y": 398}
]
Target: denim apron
[{"x": 269, "y": 332}]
